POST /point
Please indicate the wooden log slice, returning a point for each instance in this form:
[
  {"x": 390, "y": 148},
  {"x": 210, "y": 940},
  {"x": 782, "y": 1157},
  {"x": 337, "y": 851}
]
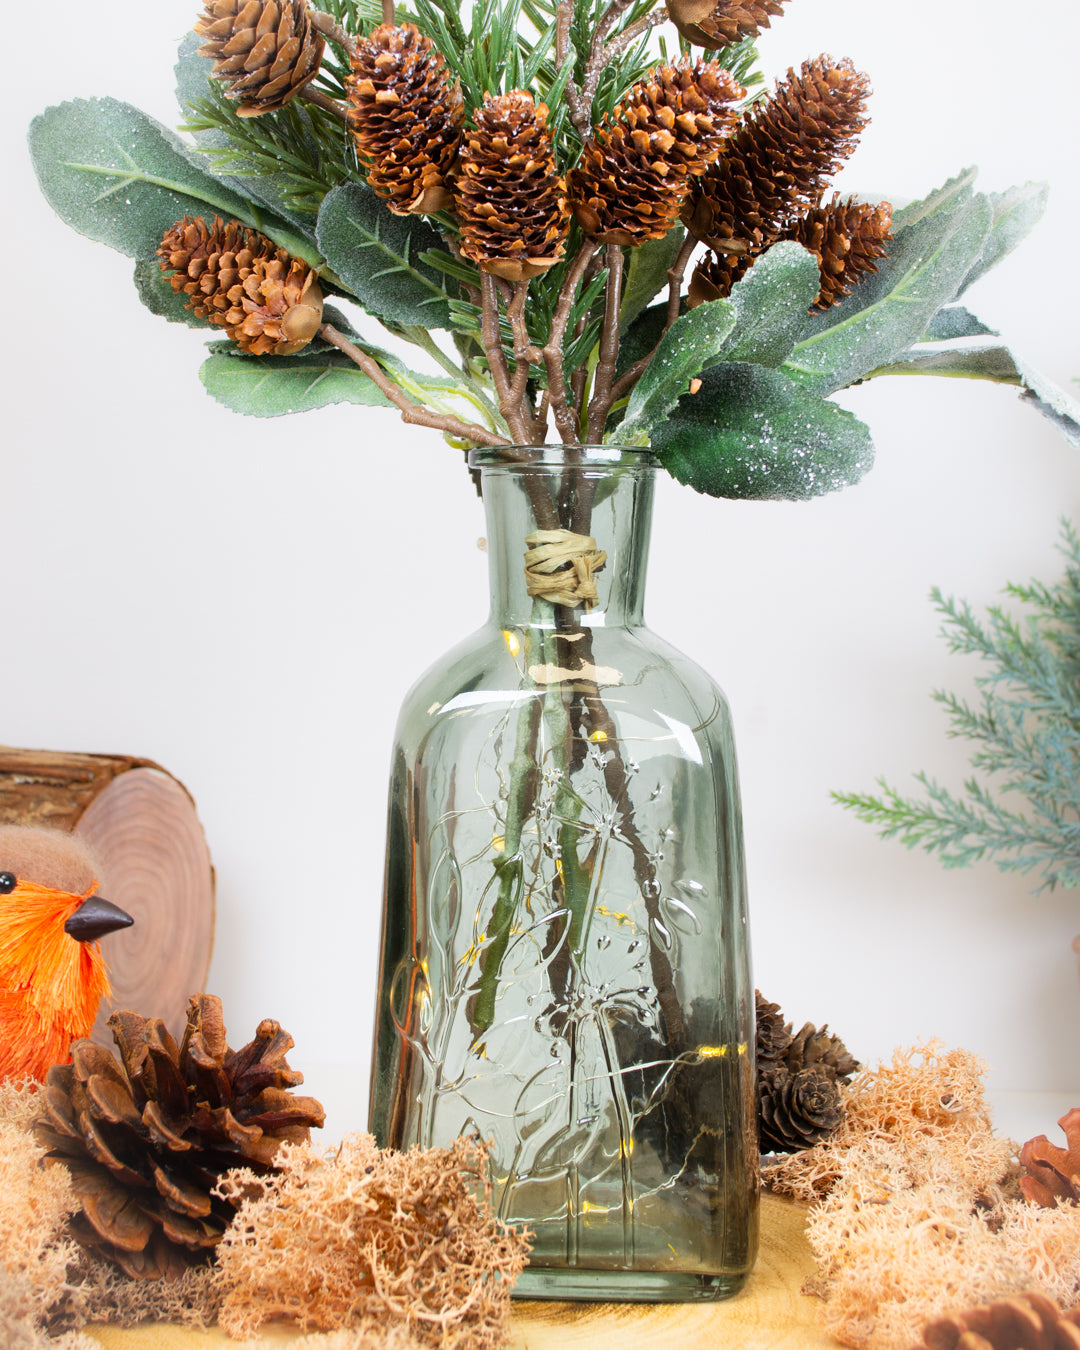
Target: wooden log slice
[{"x": 142, "y": 824}]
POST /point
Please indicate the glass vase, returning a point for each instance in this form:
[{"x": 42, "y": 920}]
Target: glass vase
[{"x": 565, "y": 960}]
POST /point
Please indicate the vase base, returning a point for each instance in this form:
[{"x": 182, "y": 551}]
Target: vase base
[{"x": 626, "y": 1286}]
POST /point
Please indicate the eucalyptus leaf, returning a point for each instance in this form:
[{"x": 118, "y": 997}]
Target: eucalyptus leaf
[
  {"x": 689, "y": 345},
  {"x": 1015, "y": 214},
  {"x": 271, "y": 386},
  {"x": 376, "y": 255},
  {"x": 157, "y": 294},
  {"x": 117, "y": 176},
  {"x": 772, "y": 303},
  {"x": 751, "y": 432},
  {"x": 647, "y": 274},
  {"x": 891, "y": 309}
]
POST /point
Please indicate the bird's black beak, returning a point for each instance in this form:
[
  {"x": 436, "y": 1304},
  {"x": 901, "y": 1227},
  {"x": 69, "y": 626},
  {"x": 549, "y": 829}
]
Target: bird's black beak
[{"x": 95, "y": 917}]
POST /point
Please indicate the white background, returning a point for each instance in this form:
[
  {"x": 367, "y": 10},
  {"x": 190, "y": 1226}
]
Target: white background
[{"x": 246, "y": 601}]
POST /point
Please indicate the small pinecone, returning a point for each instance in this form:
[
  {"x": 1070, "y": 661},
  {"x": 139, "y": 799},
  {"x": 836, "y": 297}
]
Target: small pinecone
[
  {"x": 776, "y": 164},
  {"x": 237, "y": 279},
  {"x": 848, "y": 239},
  {"x": 265, "y": 51},
  {"x": 508, "y": 197},
  {"x": 633, "y": 176},
  {"x": 811, "y": 1048},
  {"x": 796, "y": 1110},
  {"x": 1053, "y": 1173},
  {"x": 1024, "y": 1322},
  {"x": 717, "y": 23},
  {"x": 773, "y": 1035},
  {"x": 405, "y": 114},
  {"x": 147, "y": 1137}
]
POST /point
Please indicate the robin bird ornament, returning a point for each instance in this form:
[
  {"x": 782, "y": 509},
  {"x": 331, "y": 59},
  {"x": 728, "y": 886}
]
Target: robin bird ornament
[{"x": 52, "y": 972}]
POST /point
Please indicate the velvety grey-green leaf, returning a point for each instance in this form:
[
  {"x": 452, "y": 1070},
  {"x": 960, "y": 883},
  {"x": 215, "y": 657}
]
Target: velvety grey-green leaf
[
  {"x": 647, "y": 274},
  {"x": 641, "y": 337},
  {"x": 954, "y": 321},
  {"x": 269, "y": 190},
  {"x": 750, "y": 432},
  {"x": 377, "y": 256},
  {"x": 1016, "y": 212},
  {"x": 271, "y": 386},
  {"x": 157, "y": 294},
  {"x": 1051, "y": 400},
  {"x": 117, "y": 176},
  {"x": 772, "y": 304},
  {"x": 690, "y": 344},
  {"x": 946, "y": 197},
  {"x": 892, "y": 308}
]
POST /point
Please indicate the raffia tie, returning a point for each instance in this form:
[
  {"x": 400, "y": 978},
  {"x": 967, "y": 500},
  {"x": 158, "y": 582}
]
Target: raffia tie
[{"x": 560, "y": 565}]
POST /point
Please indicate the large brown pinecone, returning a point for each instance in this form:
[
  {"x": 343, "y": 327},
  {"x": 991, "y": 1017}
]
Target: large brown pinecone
[
  {"x": 147, "y": 1136},
  {"x": 406, "y": 114},
  {"x": 1053, "y": 1173},
  {"x": 633, "y": 176},
  {"x": 776, "y": 164},
  {"x": 717, "y": 23},
  {"x": 848, "y": 238},
  {"x": 508, "y": 196},
  {"x": 265, "y": 51},
  {"x": 268, "y": 303},
  {"x": 1025, "y": 1322},
  {"x": 772, "y": 1034}
]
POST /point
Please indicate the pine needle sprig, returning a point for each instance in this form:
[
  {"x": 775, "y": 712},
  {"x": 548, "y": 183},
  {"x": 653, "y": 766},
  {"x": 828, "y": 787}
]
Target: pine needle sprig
[
  {"x": 303, "y": 144},
  {"x": 1025, "y": 728}
]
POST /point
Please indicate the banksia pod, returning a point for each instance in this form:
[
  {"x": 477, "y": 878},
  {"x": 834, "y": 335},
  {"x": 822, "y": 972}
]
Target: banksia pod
[
  {"x": 633, "y": 176},
  {"x": 405, "y": 113},
  {"x": 1025, "y": 1322},
  {"x": 237, "y": 279},
  {"x": 509, "y": 199},
  {"x": 264, "y": 51},
  {"x": 712, "y": 25},
  {"x": 848, "y": 239},
  {"x": 777, "y": 163},
  {"x": 147, "y": 1136}
]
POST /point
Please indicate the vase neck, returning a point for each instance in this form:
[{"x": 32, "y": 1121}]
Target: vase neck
[{"x": 568, "y": 533}]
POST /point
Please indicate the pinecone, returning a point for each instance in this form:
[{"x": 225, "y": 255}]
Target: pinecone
[
  {"x": 406, "y": 116},
  {"x": 237, "y": 279},
  {"x": 1024, "y": 1322},
  {"x": 146, "y": 1137},
  {"x": 796, "y": 1110},
  {"x": 814, "y": 1049},
  {"x": 508, "y": 197},
  {"x": 265, "y": 51},
  {"x": 717, "y": 23},
  {"x": 773, "y": 1035},
  {"x": 776, "y": 164},
  {"x": 848, "y": 238},
  {"x": 633, "y": 176},
  {"x": 1053, "y": 1173}
]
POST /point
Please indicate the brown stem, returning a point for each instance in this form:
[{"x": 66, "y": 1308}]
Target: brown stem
[
  {"x": 321, "y": 99},
  {"x": 602, "y": 53},
  {"x": 675, "y": 275},
  {"x": 509, "y": 406},
  {"x": 388, "y": 15},
  {"x": 525, "y": 355},
  {"x": 410, "y": 411},
  {"x": 329, "y": 27},
  {"x": 609, "y": 345},
  {"x": 565, "y": 420}
]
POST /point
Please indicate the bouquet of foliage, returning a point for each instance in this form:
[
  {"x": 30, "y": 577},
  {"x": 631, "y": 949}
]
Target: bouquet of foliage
[{"x": 584, "y": 214}]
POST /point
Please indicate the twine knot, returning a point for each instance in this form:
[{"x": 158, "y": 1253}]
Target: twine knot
[{"x": 559, "y": 567}]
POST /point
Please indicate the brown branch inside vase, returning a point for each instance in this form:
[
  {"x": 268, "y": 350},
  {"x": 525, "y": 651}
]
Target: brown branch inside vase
[{"x": 609, "y": 346}]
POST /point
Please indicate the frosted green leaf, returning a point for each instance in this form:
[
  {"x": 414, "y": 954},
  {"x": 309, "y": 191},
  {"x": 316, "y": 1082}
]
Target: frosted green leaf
[
  {"x": 954, "y": 321},
  {"x": 271, "y": 386},
  {"x": 751, "y": 432},
  {"x": 772, "y": 304},
  {"x": 377, "y": 256},
  {"x": 690, "y": 344},
  {"x": 647, "y": 273},
  {"x": 1015, "y": 213},
  {"x": 892, "y": 308},
  {"x": 120, "y": 178},
  {"x": 157, "y": 294}
]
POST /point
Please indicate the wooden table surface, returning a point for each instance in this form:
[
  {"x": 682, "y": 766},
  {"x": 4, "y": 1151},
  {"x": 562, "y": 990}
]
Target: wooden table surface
[{"x": 770, "y": 1313}]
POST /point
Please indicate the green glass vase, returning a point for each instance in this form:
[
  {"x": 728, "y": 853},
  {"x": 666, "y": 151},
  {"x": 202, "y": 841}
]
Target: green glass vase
[{"x": 565, "y": 956}]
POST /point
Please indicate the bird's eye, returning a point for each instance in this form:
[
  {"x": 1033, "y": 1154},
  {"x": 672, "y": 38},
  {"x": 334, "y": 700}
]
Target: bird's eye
[{"x": 8, "y": 882}]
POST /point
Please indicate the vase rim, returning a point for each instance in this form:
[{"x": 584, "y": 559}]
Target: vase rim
[{"x": 558, "y": 455}]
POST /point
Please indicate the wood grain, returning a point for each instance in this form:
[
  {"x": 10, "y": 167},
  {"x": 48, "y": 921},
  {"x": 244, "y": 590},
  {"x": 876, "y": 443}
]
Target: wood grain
[
  {"x": 770, "y": 1314},
  {"x": 142, "y": 824}
]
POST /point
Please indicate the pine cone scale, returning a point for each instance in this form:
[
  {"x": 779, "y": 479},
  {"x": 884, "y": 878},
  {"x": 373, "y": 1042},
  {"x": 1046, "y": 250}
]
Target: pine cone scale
[{"x": 264, "y": 51}]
